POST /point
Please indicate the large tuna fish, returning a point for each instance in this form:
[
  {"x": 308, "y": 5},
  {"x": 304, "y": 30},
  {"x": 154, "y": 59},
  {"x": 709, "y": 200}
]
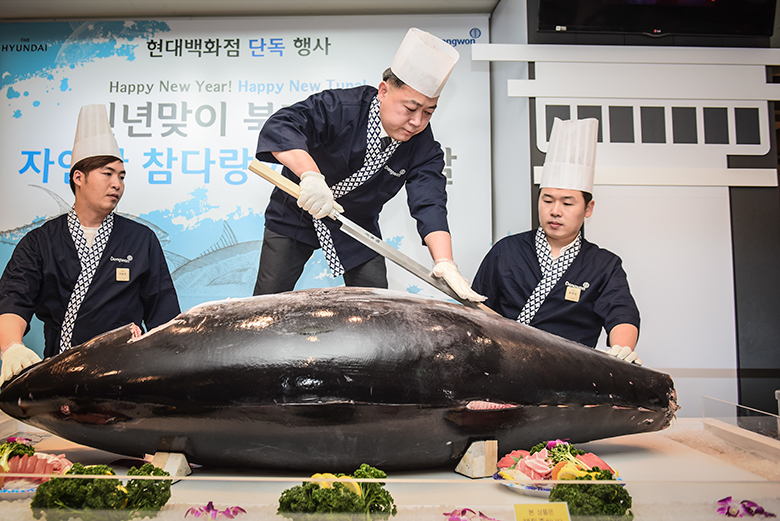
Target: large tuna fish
[{"x": 329, "y": 379}]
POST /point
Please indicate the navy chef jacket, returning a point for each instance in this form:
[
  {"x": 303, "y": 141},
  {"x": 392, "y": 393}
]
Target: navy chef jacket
[
  {"x": 510, "y": 272},
  {"x": 331, "y": 126},
  {"x": 44, "y": 267}
]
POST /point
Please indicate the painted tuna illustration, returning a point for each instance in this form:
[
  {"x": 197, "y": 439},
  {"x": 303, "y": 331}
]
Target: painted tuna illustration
[
  {"x": 332, "y": 378},
  {"x": 14, "y": 235}
]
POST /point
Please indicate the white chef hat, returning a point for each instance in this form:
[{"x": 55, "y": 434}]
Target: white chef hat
[
  {"x": 424, "y": 62},
  {"x": 571, "y": 155},
  {"x": 93, "y": 135}
]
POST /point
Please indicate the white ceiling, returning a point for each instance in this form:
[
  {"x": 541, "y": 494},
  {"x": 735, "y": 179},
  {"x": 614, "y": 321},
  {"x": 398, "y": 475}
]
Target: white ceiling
[{"x": 20, "y": 10}]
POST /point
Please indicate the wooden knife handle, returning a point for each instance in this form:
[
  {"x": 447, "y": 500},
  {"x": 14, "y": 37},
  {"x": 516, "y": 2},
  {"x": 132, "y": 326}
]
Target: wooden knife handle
[{"x": 277, "y": 179}]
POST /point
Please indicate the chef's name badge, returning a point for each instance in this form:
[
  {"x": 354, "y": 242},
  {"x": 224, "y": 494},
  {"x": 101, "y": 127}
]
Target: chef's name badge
[
  {"x": 573, "y": 291},
  {"x": 122, "y": 274}
]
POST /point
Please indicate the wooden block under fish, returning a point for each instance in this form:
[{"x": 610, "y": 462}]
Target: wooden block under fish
[{"x": 480, "y": 460}]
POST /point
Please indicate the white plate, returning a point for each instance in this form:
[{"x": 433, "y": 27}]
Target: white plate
[
  {"x": 532, "y": 489},
  {"x": 17, "y": 489},
  {"x": 529, "y": 489}
]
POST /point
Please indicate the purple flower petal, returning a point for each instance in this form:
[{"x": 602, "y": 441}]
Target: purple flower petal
[
  {"x": 725, "y": 501},
  {"x": 232, "y": 512},
  {"x": 214, "y": 512},
  {"x": 554, "y": 443},
  {"x": 459, "y": 514},
  {"x": 729, "y": 511},
  {"x": 748, "y": 507}
]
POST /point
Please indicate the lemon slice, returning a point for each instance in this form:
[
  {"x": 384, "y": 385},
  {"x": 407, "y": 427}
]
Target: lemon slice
[
  {"x": 570, "y": 471},
  {"x": 323, "y": 480},
  {"x": 354, "y": 486},
  {"x": 123, "y": 489},
  {"x": 557, "y": 469}
]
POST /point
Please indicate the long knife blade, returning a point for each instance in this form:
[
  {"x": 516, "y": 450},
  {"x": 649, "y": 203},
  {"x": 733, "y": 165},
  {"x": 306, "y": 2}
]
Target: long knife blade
[{"x": 367, "y": 238}]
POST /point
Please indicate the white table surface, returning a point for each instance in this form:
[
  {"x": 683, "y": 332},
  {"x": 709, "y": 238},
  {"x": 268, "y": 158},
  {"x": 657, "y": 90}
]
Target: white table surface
[{"x": 667, "y": 480}]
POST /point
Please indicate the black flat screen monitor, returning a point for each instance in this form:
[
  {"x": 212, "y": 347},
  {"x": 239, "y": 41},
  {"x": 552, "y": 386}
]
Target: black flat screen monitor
[{"x": 660, "y": 17}]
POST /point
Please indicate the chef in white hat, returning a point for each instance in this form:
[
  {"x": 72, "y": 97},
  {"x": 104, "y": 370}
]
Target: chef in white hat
[
  {"x": 352, "y": 150},
  {"x": 88, "y": 271},
  {"x": 552, "y": 278}
]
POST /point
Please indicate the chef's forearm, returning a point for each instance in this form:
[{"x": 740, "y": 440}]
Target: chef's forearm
[
  {"x": 440, "y": 245},
  {"x": 624, "y": 335},
  {"x": 12, "y": 328},
  {"x": 297, "y": 160}
]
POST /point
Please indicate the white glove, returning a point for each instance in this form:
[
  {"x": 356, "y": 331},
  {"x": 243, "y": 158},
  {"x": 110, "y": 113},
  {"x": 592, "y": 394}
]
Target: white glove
[
  {"x": 448, "y": 270},
  {"x": 316, "y": 197},
  {"x": 624, "y": 353},
  {"x": 16, "y": 358}
]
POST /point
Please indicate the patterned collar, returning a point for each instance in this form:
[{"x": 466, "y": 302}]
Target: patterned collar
[
  {"x": 552, "y": 271},
  {"x": 544, "y": 250}
]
